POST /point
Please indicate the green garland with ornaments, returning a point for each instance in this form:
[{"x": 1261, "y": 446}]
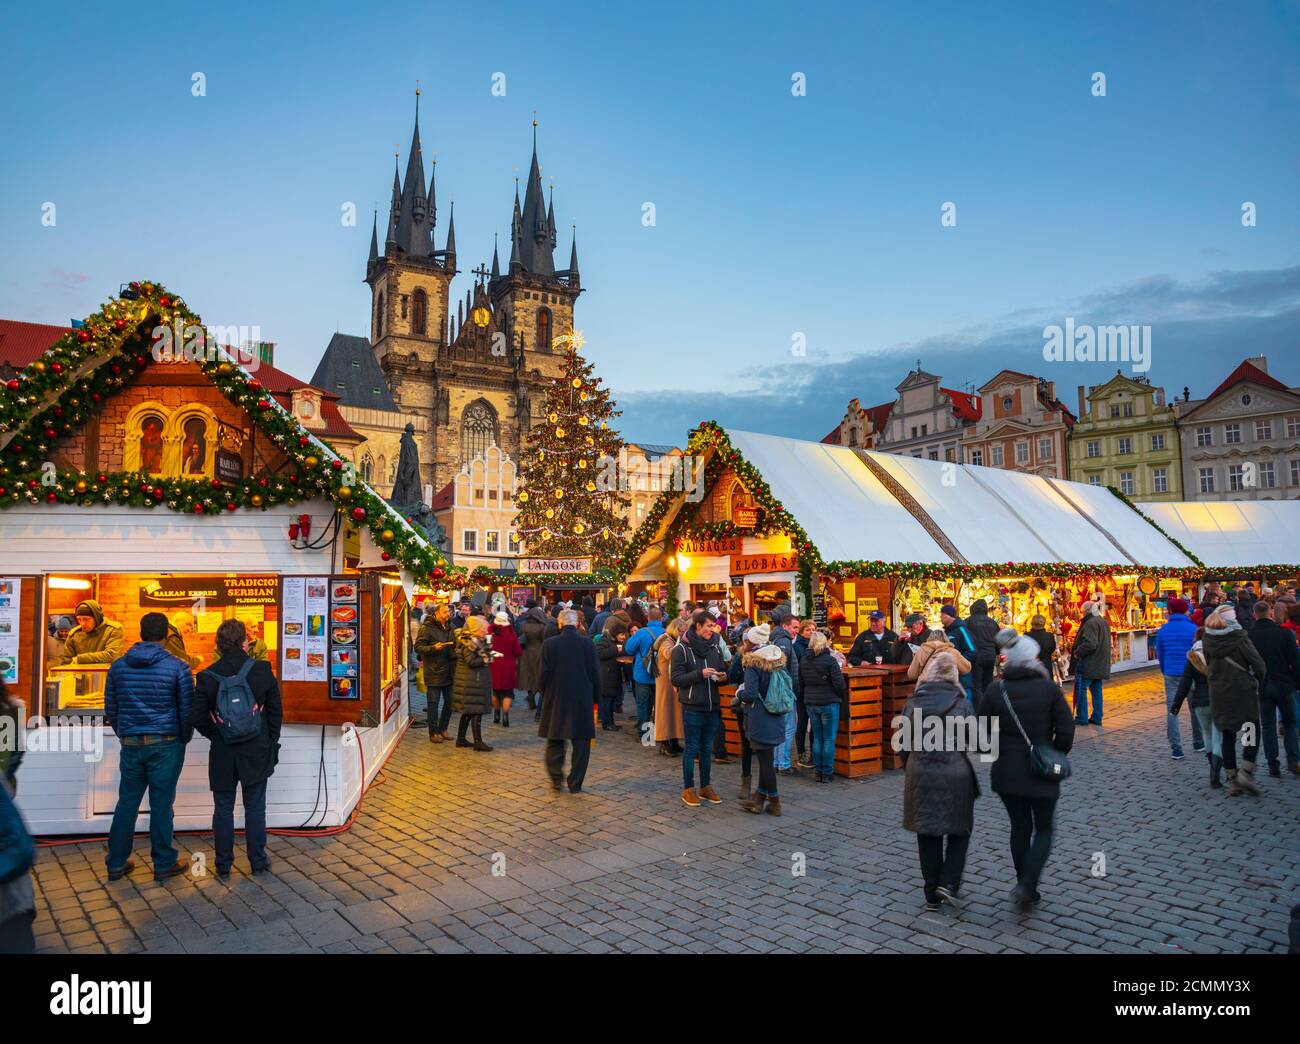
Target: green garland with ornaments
[{"x": 50, "y": 397}]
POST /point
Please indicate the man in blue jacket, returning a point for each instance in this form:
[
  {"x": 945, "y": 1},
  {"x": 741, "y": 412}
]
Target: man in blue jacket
[
  {"x": 1173, "y": 641},
  {"x": 147, "y": 704},
  {"x": 643, "y": 683}
]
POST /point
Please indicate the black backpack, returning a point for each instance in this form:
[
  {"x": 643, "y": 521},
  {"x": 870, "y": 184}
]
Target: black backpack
[{"x": 237, "y": 716}]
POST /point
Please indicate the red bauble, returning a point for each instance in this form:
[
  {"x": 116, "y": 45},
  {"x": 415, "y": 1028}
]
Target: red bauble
[
  {"x": 303, "y": 440},
  {"x": 119, "y": 324},
  {"x": 337, "y": 465},
  {"x": 437, "y": 572},
  {"x": 32, "y": 484},
  {"x": 198, "y": 509},
  {"x": 56, "y": 367},
  {"x": 262, "y": 482},
  {"x": 255, "y": 385},
  {"x": 232, "y": 507},
  {"x": 164, "y": 301},
  {"x": 83, "y": 336},
  {"x": 216, "y": 483},
  {"x": 358, "y": 513},
  {"x": 144, "y": 487},
  {"x": 50, "y": 433},
  {"x": 115, "y": 369},
  {"x": 13, "y": 384},
  {"x": 263, "y": 404},
  {"x": 385, "y": 555},
  {"x": 156, "y": 493},
  {"x": 95, "y": 397}
]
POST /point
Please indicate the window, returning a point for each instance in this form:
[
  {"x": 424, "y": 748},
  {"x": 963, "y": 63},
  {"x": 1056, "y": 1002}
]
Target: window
[
  {"x": 925, "y": 429},
  {"x": 543, "y": 329},
  {"x": 406, "y": 301},
  {"x": 995, "y": 456},
  {"x": 1160, "y": 480},
  {"x": 1295, "y": 472},
  {"x": 1128, "y": 409},
  {"x": 419, "y": 312},
  {"x": 392, "y": 471},
  {"x": 950, "y": 455},
  {"x": 367, "y": 467},
  {"x": 1246, "y": 399},
  {"x": 977, "y": 457},
  {"x": 1094, "y": 480},
  {"x": 379, "y": 317},
  {"x": 1236, "y": 477},
  {"x": 492, "y": 541},
  {"x": 1126, "y": 445},
  {"x": 913, "y": 431},
  {"x": 1094, "y": 448},
  {"x": 1293, "y": 427},
  {"x": 1204, "y": 436},
  {"x": 478, "y": 429},
  {"x": 934, "y": 454},
  {"x": 1022, "y": 453},
  {"x": 1267, "y": 476},
  {"x": 1044, "y": 448},
  {"x": 1008, "y": 403},
  {"x": 640, "y": 510},
  {"x": 1126, "y": 483},
  {"x": 1158, "y": 442},
  {"x": 1263, "y": 430},
  {"x": 469, "y": 540},
  {"x": 1206, "y": 477},
  {"x": 1114, "y": 411},
  {"x": 512, "y": 543},
  {"x": 1231, "y": 433}
]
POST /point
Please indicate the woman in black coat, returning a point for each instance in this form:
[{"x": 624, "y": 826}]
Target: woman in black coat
[
  {"x": 825, "y": 693},
  {"x": 248, "y": 764},
  {"x": 1030, "y": 799},
  {"x": 471, "y": 687},
  {"x": 532, "y": 632},
  {"x": 609, "y": 647},
  {"x": 939, "y": 786}
]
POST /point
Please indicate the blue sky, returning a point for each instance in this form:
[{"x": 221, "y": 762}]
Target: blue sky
[{"x": 776, "y": 215}]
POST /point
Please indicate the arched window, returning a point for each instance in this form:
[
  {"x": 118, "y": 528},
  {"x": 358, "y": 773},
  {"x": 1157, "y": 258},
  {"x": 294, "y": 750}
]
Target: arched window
[
  {"x": 392, "y": 471},
  {"x": 367, "y": 467},
  {"x": 379, "y": 316},
  {"x": 478, "y": 429},
  {"x": 543, "y": 329},
  {"x": 419, "y": 309},
  {"x": 381, "y": 469}
]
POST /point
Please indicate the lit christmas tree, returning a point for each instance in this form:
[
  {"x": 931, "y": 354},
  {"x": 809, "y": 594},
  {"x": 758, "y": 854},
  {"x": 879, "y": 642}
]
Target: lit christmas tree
[{"x": 569, "y": 489}]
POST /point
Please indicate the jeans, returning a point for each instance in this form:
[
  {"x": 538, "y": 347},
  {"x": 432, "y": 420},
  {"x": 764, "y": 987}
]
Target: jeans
[
  {"x": 223, "y": 826},
  {"x": 825, "y": 722},
  {"x": 1248, "y": 754},
  {"x": 1171, "y": 719},
  {"x": 700, "y": 727},
  {"x": 981, "y": 679},
  {"x": 938, "y": 868},
  {"x": 155, "y": 767},
  {"x": 1203, "y": 718},
  {"x": 1276, "y": 699},
  {"x": 766, "y": 772},
  {"x": 645, "y": 701},
  {"x": 1031, "y": 837},
  {"x": 783, "y": 751},
  {"x": 608, "y": 704},
  {"x": 1081, "y": 687},
  {"x": 800, "y": 726},
  {"x": 439, "y": 717}
]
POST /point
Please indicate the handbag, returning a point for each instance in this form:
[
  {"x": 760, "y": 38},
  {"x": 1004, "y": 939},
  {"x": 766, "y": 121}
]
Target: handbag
[{"x": 1045, "y": 761}]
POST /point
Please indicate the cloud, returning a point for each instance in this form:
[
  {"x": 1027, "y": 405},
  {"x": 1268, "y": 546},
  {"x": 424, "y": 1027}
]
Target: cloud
[
  {"x": 1200, "y": 331},
  {"x": 62, "y": 279}
]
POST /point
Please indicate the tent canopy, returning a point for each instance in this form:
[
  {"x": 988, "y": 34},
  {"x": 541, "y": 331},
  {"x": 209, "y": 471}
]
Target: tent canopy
[{"x": 1233, "y": 533}]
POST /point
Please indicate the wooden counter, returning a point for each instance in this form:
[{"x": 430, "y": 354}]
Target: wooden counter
[{"x": 860, "y": 740}]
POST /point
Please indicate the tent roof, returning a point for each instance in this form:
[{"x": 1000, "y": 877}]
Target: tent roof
[{"x": 1232, "y": 533}]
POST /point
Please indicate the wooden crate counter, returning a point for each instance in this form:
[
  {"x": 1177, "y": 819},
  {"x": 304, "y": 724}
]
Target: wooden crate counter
[
  {"x": 859, "y": 742},
  {"x": 896, "y": 687},
  {"x": 730, "y": 722}
]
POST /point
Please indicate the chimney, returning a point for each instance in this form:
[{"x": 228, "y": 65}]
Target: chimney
[
  {"x": 1259, "y": 361},
  {"x": 1083, "y": 401},
  {"x": 1160, "y": 397}
]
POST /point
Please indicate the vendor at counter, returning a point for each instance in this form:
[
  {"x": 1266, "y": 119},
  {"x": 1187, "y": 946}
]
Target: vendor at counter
[
  {"x": 875, "y": 644},
  {"x": 913, "y": 637},
  {"x": 95, "y": 639}
]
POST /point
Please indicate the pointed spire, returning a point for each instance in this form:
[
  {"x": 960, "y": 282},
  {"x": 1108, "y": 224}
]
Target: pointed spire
[
  {"x": 433, "y": 197},
  {"x": 374, "y": 237},
  {"x": 496, "y": 263},
  {"x": 573, "y": 261},
  {"x": 535, "y": 249},
  {"x": 395, "y": 208},
  {"x": 413, "y": 228},
  {"x": 550, "y": 215},
  {"x": 451, "y": 236}
]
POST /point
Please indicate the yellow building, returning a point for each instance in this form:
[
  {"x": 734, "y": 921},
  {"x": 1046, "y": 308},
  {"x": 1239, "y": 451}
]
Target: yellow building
[
  {"x": 1126, "y": 437},
  {"x": 477, "y": 509}
]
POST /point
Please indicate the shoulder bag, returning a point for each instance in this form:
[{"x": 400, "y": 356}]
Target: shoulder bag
[{"x": 1045, "y": 761}]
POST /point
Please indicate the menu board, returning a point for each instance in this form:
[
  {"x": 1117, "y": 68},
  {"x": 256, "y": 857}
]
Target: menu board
[
  {"x": 316, "y": 641},
  {"x": 293, "y": 593},
  {"x": 10, "y": 592},
  {"x": 344, "y": 639}
]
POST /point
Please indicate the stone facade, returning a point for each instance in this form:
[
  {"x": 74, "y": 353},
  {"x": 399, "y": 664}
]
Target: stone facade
[
  {"x": 927, "y": 420},
  {"x": 1126, "y": 437},
  {"x": 1022, "y": 427}
]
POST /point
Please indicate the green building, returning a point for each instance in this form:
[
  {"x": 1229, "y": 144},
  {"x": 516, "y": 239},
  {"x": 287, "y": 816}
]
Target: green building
[{"x": 1126, "y": 437}]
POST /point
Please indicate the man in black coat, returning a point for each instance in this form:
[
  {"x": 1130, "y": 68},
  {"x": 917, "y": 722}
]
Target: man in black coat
[
  {"x": 1281, "y": 656},
  {"x": 571, "y": 687},
  {"x": 876, "y": 640},
  {"x": 248, "y": 764},
  {"x": 984, "y": 631},
  {"x": 436, "y": 646}
]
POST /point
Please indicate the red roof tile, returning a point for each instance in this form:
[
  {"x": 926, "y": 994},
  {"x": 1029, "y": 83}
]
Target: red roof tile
[
  {"x": 1247, "y": 371},
  {"x": 964, "y": 405},
  {"x": 443, "y": 498},
  {"x": 21, "y": 344}
]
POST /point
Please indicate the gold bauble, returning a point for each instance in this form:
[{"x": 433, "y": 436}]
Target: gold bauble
[
  {"x": 583, "y": 396},
  {"x": 82, "y": 485},
  {"x": 546, "y": 534},
  {"x": 591, "y": 487},
  {"x": 256, "y": 500},
  {"x": 590, "y": 441},
  {"x": 577, "y": 382},
  {"x": 579, "y": 528},
  {"x": 523, "y": 497},
  {"x": 550, "y": 513},
  {"x": 553, "y": 417},
  {"x": 559, "y": 433},
  {"x": 345, "y": 492},
  {"x": 559, "y": 494},
  {"x": 583, "y": 421},
  {"x": 387, "y": 536},
  {"x": 311, "y": 462},
  {"x": 582, "y": 465}
]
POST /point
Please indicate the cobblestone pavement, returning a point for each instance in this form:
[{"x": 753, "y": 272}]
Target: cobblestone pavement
[{"x": 625, "y": 866}]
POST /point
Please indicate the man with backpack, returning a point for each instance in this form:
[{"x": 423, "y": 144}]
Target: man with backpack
[
  {"x": 644, "y": 665},
  {"x": 237, "y": 707},
  {"x": 955, "y": 628},
  {"x": 147, "y": 696}
]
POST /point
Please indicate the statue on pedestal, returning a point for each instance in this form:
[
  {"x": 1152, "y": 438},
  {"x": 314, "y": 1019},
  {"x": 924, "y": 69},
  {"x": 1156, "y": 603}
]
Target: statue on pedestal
[{"x": 407, "y": 496}]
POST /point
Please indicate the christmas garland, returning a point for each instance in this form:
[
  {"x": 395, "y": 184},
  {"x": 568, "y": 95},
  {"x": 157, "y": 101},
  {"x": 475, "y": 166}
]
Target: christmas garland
[
  {"x": 59, "y": 391},
  {"x": 1152, "y": 522}
]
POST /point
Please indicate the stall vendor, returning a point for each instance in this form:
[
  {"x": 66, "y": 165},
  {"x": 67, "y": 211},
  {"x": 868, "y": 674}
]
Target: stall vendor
[
  {"x": 179, "y": 627},
  {"x": 95, "y": 640},
  {"x": 875, "y": 644},
  {"x": 912, "y": 638}
]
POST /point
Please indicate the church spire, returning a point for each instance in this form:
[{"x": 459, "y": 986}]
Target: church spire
[
  {"x": 574, "y": 282},
  {"x": 433, "y": 195},
  {"x": 395, "y": 208},
  {"x": 413, "y": 228},
  {"x": 535, "y": 248},
  {"x": 496, "y": 263},
  {"x": 374, "y": 237},
  {"x": 451, "y": 237}
]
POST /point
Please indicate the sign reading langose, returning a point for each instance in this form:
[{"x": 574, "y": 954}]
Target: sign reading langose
[{"x": 555, "y": 565}]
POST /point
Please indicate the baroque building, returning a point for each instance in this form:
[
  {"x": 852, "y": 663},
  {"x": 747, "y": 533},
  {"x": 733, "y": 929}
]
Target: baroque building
[
  {"x": 1022, "y": 426},
  {"x": 467, "y": 372},
  {"x": 1126, "y": 436},
  {"x": 926, "y": 420}
]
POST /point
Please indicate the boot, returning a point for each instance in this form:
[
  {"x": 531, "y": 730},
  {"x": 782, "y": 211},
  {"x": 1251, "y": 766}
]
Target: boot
[
  {"x": 496, "y": 716},
  {"x": 773, "y": 806},
  {"x": 478, "y": 734},
  {"x": 754, "y": 804},
  {"x": 1246, "y": 779},
  {"x": 745, "y": 787},
  {"x": 1216, "y": 763},
  {"x": 505, "y": 719},
  {"x": 1294, "y": 767}
]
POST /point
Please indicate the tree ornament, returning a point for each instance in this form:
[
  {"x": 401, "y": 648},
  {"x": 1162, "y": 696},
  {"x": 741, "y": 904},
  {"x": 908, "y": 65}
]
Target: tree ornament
[{"x": 359, "y": 513}]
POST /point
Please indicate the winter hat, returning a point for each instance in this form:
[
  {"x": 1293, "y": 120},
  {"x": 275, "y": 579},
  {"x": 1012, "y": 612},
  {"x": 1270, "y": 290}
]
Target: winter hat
[
  {"x": 502, "y": 619},
  {"x": 1005, "y": 637},
  {"x": 1023, "y": 653},
  {"x": 769, "y": 652},
  {"x": 941, "y": 667},
  {"x": 948, "y": 610},
  {"x": 715, "y": 612},
  {"x": 1178, "y": 605},
  {"x": 759, "y": 635},
  {"x": 914, "y": 618}
]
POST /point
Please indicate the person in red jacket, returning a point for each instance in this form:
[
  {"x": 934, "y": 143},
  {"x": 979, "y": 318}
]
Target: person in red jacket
[{"x": 506, "y": 651}]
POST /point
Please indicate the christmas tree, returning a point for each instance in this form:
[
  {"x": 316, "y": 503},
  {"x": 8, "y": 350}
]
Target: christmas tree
[{"x": 569, "y": 495}]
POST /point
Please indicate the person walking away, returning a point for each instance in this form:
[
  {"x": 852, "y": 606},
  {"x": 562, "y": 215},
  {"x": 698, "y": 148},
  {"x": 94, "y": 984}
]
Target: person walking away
[
  {"x": 148, "y": 696},
  {"x": 1173, "y": 641},
  {"x": 1277, "y": 695},
  {"x": 17, "y": 895},
  {"x": 94, "y": 639},
  {"x": 435, "y": 645},
  {"x": 640, "y": 647},
  {"x": 1025, "y": 692},
  {"x": 570, "y": 680},
  {"x": 505, "y": 672},
  {"x": 1235, "y": 671},
  {"x": 875, "y": 645},
  {"x": 915, "y": 632},
  {"x": 528, "y": 677},
  {"x": 1046, "y": 642},
  {"x": 1194, "y": 687},
  {"x": 670, "y": 730},
  {"x": 248, "y": 763},
  {"x": 1092, "y": 656},
  {"x": 696, "y": 670},
  {"x": 471, "y": 687},
  {"x": 939, "y": 786},
  {"x": 785, "y": 625},
  {"x": 826, "y": 694},
  {"x": 765, "y": 681},
  {"x": 609, "y": 647},
  {"x": 960, "y": 637},
  {"x": 983, "y": 630}
]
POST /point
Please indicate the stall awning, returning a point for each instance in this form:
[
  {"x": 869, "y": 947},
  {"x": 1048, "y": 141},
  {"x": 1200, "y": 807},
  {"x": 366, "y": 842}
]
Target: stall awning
[{"x": 1233, "y": 533}]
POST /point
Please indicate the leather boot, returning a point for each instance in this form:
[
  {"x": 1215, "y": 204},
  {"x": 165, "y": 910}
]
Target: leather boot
[
  {"x": 745, "y": 787},
  {"x": 1216, "y": 763},
  {"x": 773, "y": 806},
  {"x": 505, "y": 719},
  {"x": 1246, "y": 779},
  {"x": 754, "y": 804},
  {"x": 496, "y": 716}
]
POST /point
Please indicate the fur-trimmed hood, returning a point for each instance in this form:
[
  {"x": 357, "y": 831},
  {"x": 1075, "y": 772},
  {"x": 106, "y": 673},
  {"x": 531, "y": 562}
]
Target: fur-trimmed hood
[{"x": 764, "y": 662}]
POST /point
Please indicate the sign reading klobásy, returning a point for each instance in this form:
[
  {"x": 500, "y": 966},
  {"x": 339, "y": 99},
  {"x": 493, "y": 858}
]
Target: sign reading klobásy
[
  {"x": 555, "y": 565},
  {"x": 773, "y": 563}
]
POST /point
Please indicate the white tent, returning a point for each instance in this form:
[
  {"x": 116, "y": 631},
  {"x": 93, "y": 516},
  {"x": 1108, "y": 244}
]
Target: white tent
[{"x": 1233, "y": 533}]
